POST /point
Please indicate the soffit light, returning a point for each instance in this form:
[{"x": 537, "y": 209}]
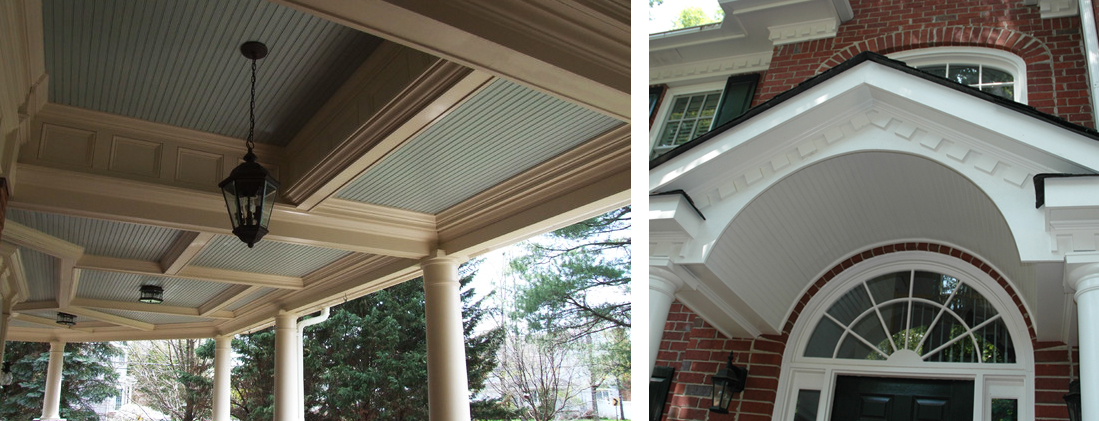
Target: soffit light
[
  {"x": 250, "y": 190},
  {"x": 65, "y": 319},
  {"x": 151, "y": 294},
  {"x": 727, "y": 382}
]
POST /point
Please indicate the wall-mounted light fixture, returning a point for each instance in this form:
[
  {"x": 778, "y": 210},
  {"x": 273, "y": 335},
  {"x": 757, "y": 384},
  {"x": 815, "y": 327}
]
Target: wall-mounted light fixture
[{"x": 727, "y": 382}]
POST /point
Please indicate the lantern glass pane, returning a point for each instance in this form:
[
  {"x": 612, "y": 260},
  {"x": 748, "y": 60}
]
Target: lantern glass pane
[
  {"x": 268, "y": 208},
  {"x": 231, "y": 203}
]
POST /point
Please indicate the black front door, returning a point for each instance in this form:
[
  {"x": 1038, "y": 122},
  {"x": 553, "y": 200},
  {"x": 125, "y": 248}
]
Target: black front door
[{"x": 876, "y": 398}]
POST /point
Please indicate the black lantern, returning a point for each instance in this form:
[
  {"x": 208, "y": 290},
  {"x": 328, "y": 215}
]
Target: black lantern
[
  {"x": 250, "y": 190},
  {"x": 65, "y": 319},
  {"x": 1072, "y": 399},
  {"x": 151, "y": 294},
  {"x": 727, "y": 382}
]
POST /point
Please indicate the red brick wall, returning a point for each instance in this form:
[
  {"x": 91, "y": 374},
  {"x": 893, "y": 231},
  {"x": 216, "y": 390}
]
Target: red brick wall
[
  {"x": 1052, "y": 48},
  {"x": 696, "y": 350}
]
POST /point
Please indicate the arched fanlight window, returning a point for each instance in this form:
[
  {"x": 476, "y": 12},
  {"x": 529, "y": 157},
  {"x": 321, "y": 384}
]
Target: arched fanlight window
[
  {"x": 935, "y": 317},
  {"x": 997, "y": 72}
]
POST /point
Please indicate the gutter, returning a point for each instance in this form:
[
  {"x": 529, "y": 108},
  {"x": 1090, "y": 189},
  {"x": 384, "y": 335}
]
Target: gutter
[
  {"x": 300, "y": 415},
  {"x": 1091, "y": 54}
]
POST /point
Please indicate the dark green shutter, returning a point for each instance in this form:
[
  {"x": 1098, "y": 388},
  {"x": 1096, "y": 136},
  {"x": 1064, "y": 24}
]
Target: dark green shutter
[
  {"x": 655, "y": 92},
  {"x": 736, "y": 98}
]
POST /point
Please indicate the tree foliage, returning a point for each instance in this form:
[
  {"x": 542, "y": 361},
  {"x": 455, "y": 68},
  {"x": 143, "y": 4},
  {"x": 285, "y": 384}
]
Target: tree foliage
[
  {"x": 577, "y": 281},
  {"x": 536, "y": 374},
  {"x": 88, "y": 378},
  {"x": 175, "y": 376},
  {"x": 694, "y": 16},
  {"x": 368, "y": 361}
]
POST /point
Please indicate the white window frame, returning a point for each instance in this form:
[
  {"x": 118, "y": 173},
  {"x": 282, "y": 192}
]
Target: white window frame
[
  {"x": 669, "y": 98},
  {"x": 1000, "y": 380},
  {"x": 991, "y": 57}
]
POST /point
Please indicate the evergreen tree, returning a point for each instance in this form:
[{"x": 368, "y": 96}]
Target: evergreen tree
[
  {"x": 369, "y": 360},
  {"x": 175, "y": 376},
  {"x": 87, "y": 379},
  {"x": 577, "y": 280}
]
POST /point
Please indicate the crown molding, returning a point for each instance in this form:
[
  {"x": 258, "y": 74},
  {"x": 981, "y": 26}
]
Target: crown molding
[
  {"x": 725, "y": 66},
  {"x": 803, "y": 31}
]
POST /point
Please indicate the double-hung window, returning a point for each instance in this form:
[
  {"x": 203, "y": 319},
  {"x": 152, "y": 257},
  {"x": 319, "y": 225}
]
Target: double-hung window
[{"x": 685, "y": 113}]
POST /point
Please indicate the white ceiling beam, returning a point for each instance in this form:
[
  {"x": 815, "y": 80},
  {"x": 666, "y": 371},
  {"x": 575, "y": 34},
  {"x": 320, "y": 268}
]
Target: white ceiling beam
[
  {"x": 224, "y": 276},
  {"x": 225, "y": 299},
  {"x": 117, "y": 199},
  {"x": 578, "y": 50},
  {"x": 17, "y": 279},
  {"x": 36, "y": 320},
  {"x": 25, "y": 236},
  {"x": 109, "y": 318},
  {"x": 149, "y": 308},
  {"x": 183, "y": 250}
]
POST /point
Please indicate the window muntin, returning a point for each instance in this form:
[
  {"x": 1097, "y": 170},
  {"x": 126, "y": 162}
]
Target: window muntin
[
  {"x": 938, "y": 317},
  {"x": 988, "y": 79},
  {"x": 690, "y": 116}
]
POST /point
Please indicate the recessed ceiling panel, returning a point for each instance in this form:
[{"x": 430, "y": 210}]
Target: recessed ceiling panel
[
  {"x": 502, "y": 131},
  {"x": 101, "y": 238},
  {"x": 41, "y": 271},
  {"x": 225, "y": 252},
  {"x": 179, "y": 62},
  {"x": 118, "y": 286}
]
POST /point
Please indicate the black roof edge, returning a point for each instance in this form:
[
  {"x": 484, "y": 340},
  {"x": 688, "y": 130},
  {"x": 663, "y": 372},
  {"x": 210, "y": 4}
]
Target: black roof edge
[
  {"x": 685, "y": 196},
  {"x": 887, "y": 62},
  {"x": 1040, "y": 185}
]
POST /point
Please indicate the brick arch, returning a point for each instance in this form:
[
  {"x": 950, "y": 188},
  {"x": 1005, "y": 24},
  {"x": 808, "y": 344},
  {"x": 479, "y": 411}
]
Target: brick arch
[
  {"x": 909, "y": 246},
  {"x": 1041, "y": 78}
]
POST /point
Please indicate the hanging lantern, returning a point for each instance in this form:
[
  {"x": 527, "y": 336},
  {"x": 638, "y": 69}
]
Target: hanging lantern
[
  {"x": 250, "y": 190},
  {"x": 151, "y": 294},
  {"x": 65, "y": 319},
  {"x": 727, "y": 382}
]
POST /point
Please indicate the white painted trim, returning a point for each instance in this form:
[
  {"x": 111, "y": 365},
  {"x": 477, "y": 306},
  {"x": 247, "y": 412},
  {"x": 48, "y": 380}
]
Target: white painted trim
[
  {"x": 1021, "y": 373},
  {"x": 1091, "y": 54},
  {"x": 991, "y": 57}
]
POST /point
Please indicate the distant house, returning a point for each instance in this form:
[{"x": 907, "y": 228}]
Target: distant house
[{"x": 879, "y": 209}]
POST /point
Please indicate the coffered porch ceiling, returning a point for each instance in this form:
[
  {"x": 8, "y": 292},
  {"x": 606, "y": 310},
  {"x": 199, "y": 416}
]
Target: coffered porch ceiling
[{"x": 396, "y": 130}]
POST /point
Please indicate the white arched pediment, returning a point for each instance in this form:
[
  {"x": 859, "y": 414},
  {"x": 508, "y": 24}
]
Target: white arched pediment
[{"x": 842, "y": 135}]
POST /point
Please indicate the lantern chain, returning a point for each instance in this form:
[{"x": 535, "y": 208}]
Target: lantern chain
[{"x": 252, "y": 110}]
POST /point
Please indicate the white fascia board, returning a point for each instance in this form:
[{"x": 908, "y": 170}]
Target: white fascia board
[
  {"x": 1037, "y": 140},
  {"x": 672, "y": 214},
  {"x": 1072, "y": 192}
]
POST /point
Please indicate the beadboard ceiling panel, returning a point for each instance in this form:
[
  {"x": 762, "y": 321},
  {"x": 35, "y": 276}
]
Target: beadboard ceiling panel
[
  {"x": 806, "y": 222},
  {"x": 249, "y": 299},
  {"x": 41, "y": 271},
  {"x": 225, "y": 252},
  {"x": 502, "y": 131},
  {"x": 126, "y": 287},
  {"x": 101, "y": 238},
  {"x": 179, "y": 62},
  {"x": 154, "y": 318},
  {"x": 16, "y": 323}
]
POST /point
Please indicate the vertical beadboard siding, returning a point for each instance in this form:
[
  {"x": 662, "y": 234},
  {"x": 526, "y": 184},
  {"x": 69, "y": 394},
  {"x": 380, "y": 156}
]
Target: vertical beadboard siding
[
  {"x": 249, "y": 299},
  {"x": 502, "y": 131},
  {"x": 855, "y": 201},
  {"x": 225, "y": 252},
  {"x": 126, "y": 287},
  {"x": 41, "y": 271},
  {"x": 101, "y": 238},
  {"x": 159, "y": 319},
  {"x": 179, "y": 63}
]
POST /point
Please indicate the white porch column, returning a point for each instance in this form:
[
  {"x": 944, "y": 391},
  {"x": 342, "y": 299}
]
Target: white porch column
[
  {"x": 662, "y": 289},
  {"x": 447, "y": 381},
  {"x": 1084, "y": 277},
  {"x": 222, "y": 374},
  {"x": 286, "y": 371},
  {"x": 51, "y": 403}
]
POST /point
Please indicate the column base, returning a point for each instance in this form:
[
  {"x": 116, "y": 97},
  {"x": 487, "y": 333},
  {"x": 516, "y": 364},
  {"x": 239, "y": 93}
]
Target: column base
[{"x": 49, "y": 419}]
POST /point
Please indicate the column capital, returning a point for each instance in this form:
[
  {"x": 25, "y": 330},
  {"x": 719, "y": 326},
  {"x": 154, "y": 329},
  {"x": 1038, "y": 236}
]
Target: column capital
[
  {"x": 439, "y": 257},
  {"x": 664, "y": 280},
  {"x": 1082, "y": 272}
]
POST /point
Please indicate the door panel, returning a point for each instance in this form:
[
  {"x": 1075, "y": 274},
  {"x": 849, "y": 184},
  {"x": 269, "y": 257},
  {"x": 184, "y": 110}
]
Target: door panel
[{"x": 882, "y": 399}]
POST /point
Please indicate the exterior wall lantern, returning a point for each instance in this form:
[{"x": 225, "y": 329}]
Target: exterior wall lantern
[
  {"x": 151, "y": 294},
  {"x": 65, "y": 319},
  {"x": 250, "y": 190},
  {"x": 1072, "y": 399},
  {"x": 727, "y": 382}
]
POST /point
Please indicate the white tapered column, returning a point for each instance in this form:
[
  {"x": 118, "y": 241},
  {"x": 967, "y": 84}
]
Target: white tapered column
[
  {"x": 1084, "y": 278},
  {"x": 447, "y": 381},
  {"x": 222, "y": 374},
  {"x": 662, "y": 289},
  {"x": 51, "y": 402},
  {"x": 286, "y": 371}
]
